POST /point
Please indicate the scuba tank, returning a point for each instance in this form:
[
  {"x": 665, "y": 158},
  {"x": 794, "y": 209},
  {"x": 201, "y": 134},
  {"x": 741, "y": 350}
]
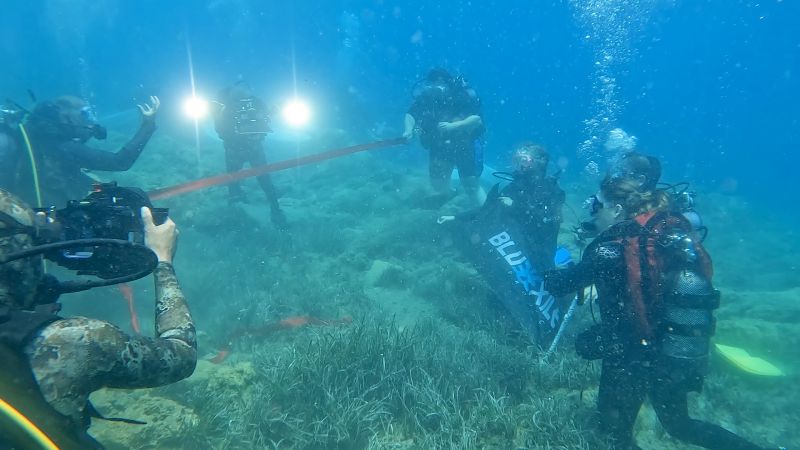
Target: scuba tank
[{"x": 689, "y": 304}]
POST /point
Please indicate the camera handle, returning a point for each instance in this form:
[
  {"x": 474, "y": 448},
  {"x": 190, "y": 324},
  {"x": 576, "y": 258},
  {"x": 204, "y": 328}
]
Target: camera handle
[{"x": 65, "y": 287}]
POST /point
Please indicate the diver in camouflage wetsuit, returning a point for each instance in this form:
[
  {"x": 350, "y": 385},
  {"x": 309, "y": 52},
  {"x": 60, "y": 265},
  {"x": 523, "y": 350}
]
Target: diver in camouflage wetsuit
[{"x": 72, "y": 357}]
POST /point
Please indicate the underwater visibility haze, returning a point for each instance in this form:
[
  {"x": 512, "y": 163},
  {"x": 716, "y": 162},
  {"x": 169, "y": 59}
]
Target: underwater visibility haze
[{"x": 332, "y": 311}]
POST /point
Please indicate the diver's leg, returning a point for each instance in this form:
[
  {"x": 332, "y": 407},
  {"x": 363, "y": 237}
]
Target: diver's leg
[
  {"x": 470, "y": 168},
  {"x": 619, "y": 398},
  {"x": 669, "y": 402},
  {"x": 233, "y": 163},
  {"x": 440, "y": 169},
  {"x": 257, "y": 158},
  {"x": 472, "y": 186}
]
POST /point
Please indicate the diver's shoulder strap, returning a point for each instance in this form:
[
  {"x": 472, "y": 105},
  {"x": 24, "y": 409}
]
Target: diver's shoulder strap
[{"x": 17, "y": 326}]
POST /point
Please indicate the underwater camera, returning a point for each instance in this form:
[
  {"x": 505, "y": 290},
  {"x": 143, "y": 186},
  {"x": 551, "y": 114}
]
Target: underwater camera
[
  {"x": 108, "y": 213},
  {"x": 101, "y": 235}
]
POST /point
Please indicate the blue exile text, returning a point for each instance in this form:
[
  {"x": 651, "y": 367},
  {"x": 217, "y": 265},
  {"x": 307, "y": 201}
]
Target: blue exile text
[{"x": 526, "y": 275}]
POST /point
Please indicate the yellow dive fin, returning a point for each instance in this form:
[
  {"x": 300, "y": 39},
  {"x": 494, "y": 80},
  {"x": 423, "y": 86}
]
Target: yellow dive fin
[{"x": 741, "y": 359}]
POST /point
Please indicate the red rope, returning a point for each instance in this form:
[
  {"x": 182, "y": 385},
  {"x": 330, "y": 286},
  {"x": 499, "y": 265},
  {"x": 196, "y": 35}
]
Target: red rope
[{"x": 231, "y": 177}]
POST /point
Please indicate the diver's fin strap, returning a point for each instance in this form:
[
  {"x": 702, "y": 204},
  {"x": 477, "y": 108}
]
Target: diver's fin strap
[{"x": 93, "y": 412}]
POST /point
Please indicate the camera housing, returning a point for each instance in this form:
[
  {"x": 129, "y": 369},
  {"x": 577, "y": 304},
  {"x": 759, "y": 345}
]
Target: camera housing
[{"x": 108, "y": 212}]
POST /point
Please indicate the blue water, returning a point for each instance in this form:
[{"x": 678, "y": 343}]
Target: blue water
[{"x": 712, "y": 87}]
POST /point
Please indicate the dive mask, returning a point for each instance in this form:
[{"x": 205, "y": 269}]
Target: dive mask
[{"x": 593, "y": 205}]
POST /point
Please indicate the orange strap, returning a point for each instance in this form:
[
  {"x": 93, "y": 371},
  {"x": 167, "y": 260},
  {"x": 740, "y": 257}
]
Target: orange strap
[{"x": 226, "y": 178}]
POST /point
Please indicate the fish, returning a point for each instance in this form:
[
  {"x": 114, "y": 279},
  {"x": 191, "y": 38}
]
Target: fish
[{"x": 287, "y": 323}]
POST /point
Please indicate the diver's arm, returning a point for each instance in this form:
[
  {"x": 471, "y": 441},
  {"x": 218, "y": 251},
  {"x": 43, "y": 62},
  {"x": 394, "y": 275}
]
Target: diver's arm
[
  {"x": 91, "y": 158},
  {"x": 470, "y": 123},
  {"x": 120, "y": 360},
  {"x": 564, "y": 281},
  {"x": 172, "y": 355},
  {"x": 466, "y": 126},
  {"x": 173, "y": 320}
]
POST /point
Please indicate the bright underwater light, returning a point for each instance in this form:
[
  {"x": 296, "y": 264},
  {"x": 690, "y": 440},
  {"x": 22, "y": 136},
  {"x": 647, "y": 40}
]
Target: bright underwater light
[
  {"x": 195, "y": 107},
  {"x": 296, "y": 112}
]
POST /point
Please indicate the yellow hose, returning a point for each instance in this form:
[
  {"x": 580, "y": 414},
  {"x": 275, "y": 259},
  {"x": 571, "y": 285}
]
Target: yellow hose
[
  {"x": 28, "y": 426},
  {"x": 35, "y": 172},
  {"x": 34, "y": 169}
]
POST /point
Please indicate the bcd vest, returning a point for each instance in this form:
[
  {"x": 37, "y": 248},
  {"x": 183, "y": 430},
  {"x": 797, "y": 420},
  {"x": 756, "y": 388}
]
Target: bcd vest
[{"x": 669, "y": 281}]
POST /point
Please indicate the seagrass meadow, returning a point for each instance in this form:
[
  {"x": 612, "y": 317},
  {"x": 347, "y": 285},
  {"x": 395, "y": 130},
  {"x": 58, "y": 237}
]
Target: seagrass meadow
[{"x": 393, "y": 339}]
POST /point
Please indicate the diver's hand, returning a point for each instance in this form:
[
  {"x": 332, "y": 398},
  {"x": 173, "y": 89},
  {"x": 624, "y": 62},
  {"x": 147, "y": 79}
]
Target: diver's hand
[
  {"x": 444, "y": 219},
  {"x": 448, "y": 127},
  {"x": 506, "y": 201},
  {"x": 149, "y": 110},
  {"x": 161, "y": 239}
]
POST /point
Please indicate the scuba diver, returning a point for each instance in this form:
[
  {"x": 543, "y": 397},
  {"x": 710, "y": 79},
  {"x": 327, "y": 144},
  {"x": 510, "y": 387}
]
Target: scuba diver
[
  {"x": 644, "y": 171},
  {"x": 520, "y": 222},
  {"x": 59, "y": 130},
  {"x": 242, "y": 122},
  {"x": 446, "y": 114},
  {"x": 53, "y": 363},
  {"x": 657, "y": 305},
  {"x": 535, "y": 200}
]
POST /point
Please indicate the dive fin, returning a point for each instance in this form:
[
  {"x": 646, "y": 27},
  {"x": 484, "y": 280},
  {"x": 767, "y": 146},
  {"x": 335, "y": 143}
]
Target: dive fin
[{"x": 751, "y": 364}]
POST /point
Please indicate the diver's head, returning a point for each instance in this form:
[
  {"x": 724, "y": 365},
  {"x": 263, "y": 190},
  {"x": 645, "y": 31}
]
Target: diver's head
[
  {"x": 20, "y": 279},
  {"x": 628, "y": 194},
  {"x": 440, "y": 81},
  {"x": 66, "y": 117},
  {"x": 617, "y": 200},
  {"x": 239, "y": 91},
  {"x": 439, "y": 76},
  {"x": 644, "y": 170},
  {"x": 530, "y": 159}
]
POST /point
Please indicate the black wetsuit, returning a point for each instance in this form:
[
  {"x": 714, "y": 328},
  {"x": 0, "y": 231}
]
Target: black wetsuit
[
  {"x": 632, "y": 364},
  {"x": 241, "y": 149},
  {"x": 461, "y": 150},
  {"x": 537, "y": 203},
  {"x": 59, "y": 162}
]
